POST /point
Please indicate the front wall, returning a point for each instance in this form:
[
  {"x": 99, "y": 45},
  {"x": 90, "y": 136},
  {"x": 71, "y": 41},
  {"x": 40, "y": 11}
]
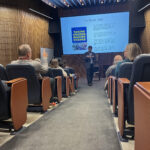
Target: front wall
[{"x": 103, "y": 60}]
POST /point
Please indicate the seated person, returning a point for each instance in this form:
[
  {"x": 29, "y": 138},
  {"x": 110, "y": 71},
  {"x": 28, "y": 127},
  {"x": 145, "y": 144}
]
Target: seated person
[
  {"x": 24, "y": 58},
  {"x": 131, "y": 52},
  {"x": 117, "y": 59},
  {"x": 67, "y": 67},
  {"x": 54, "y": 64},
  {"x": 74, "y": 75}
]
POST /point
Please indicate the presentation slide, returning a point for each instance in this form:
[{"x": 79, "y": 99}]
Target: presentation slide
[{"x": 104, "y": 32}]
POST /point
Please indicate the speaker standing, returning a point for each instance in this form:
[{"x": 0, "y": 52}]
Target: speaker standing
[{"x": 89, "y": 59}]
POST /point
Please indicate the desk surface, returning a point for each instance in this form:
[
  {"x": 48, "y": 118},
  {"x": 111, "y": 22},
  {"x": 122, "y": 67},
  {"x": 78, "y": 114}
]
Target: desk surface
[{"x": 124, "y": 80}]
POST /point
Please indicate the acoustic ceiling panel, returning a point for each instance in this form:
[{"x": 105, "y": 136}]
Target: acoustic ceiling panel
[{"x": 80, "y": 3}]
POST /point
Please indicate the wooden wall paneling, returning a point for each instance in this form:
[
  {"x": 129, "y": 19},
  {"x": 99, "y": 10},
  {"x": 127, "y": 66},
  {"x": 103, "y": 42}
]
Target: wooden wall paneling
[
  {"x": 8, "y": 30},
  {"x": 145, "y": 37},
  {"x": 35, "y": 32},
  {"x": 76, "y": 62},
  {"x": 17, "y": 27}
]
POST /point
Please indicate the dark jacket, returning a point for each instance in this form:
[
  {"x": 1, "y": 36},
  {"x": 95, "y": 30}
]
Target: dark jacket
[{"x": 88, "y": 60}]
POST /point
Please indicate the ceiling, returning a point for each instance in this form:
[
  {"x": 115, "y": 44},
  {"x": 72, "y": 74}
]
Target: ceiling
[{"x": 80, "y": 3}]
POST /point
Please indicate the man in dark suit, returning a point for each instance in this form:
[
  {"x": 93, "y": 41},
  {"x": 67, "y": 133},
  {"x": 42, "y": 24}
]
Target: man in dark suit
[{"x": 89, "y": 58}]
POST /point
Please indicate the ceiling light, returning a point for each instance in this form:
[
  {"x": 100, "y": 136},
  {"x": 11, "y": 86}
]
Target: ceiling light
[{"x": 40, "y": 13}]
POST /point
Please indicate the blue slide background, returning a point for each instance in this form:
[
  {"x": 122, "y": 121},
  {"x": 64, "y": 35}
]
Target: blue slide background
[{"x": 105, "y": 32}]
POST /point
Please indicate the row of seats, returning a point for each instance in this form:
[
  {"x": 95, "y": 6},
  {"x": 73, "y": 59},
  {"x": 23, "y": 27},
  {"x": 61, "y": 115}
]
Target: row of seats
[
  {"x": 126, "y": 96},
  {"x": 21, "y": 90}
]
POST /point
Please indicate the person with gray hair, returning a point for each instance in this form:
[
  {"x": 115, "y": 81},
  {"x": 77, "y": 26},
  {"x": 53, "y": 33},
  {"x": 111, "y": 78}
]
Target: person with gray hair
[
  {"x": 117, "y": 59},
  {"x": 25, "y": 58}
]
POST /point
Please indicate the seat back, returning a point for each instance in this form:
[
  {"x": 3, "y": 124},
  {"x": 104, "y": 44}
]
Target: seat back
[
  {"x": 140, "y": 72},
  {"x": 49, "y": 73},
  {"x": 3, "y": 74},
  {"x": 28, "y": 72},
  {"x": 125, "y": 70},
  {"x": 67, "y": 71},
  {"x": 58, "y": 72},
  {"x": 71, "y": 70},
  {"x": 4, "y": 101},
  {"x": 113, "y": 72}
]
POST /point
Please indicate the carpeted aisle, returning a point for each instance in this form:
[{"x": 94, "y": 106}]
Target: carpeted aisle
[{"x": 82, "y": 123}]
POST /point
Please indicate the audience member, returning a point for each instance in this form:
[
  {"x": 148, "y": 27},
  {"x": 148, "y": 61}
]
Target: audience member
[
  {"x": 117, "y": 58},
  {"x": 25, "y": 58},
  {"x": 54, "y": 64},
  {"x": 74, "y": 75},
  {"x": 131, "y": 52}
]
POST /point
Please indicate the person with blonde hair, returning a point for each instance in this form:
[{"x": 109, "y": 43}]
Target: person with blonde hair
[{"x": 132, "y": 50}]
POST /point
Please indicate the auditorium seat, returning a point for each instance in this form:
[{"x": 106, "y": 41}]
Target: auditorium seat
[
  {"x": 142, "y": 115},
  {"x": 13, "y": 103},
  {"x": 64, "y": 82},
  {"x": 110, "y": 85},
  {"x": 114, "y": 95},
  {"x": 3, "y": 74},
  {"x": 140, "y": 72},
  {"x": 72, "y": 71},
  {"x": 58, "y": 78},
  {"x": 39, "y": 91},
  {"x": 110, "y": 88},
  {"x": 123, "y": 72},
  {"x": 72, "y": 87},
  {"x": 49, "y": 73},
  {"x": 96, "y": 72}
]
